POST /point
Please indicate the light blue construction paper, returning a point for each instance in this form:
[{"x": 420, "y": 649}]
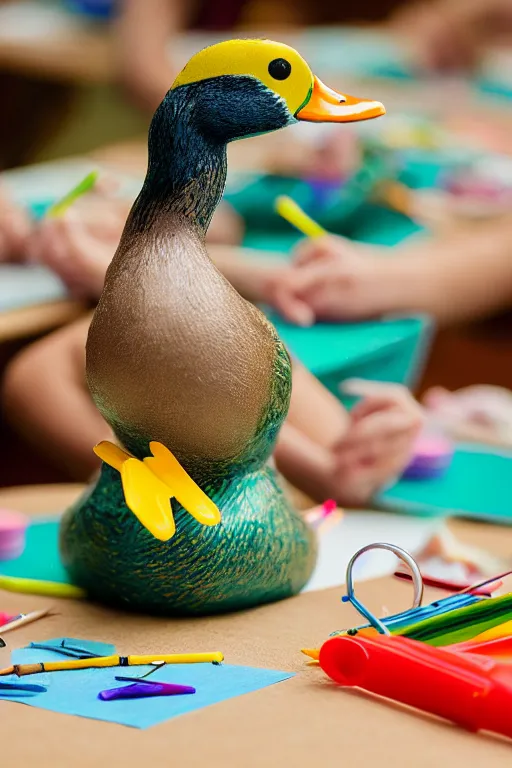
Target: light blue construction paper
[
  {"x": 40, "y": 560},
  {"x": 476, "y": 485},
  {"x": 76, "y": 692},
  {"x": 23, "y": 285}
]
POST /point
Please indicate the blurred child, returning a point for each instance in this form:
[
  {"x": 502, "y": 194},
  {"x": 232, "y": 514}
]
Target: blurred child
[
  {"x": 452, "y": 34},
  {"x": 147, "y": 31},
  {"x": 322, "y": 450}
]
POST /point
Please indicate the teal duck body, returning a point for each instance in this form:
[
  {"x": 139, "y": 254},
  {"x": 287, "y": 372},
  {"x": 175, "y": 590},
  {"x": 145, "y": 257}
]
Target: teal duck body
[{"x": 176, "y": 355}]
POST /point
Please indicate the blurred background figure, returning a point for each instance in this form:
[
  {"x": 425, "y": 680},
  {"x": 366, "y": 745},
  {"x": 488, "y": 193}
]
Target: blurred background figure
[
  {"x": 453, "y": 34},
  {"x": 147, "y": 29},
  {"x": 82, "y": 78}
]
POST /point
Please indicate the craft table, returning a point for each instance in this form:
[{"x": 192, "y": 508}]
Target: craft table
[
  {"x": 303, "y": 722},
  {"x": 34, "y": 321},
  {"x": 41, "y": 40}
]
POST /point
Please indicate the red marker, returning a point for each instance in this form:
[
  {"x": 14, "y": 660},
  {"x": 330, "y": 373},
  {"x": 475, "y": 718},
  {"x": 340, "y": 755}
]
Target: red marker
[
  {"x": 486, "y": 590},
  {"x": 473, "y": 691}
]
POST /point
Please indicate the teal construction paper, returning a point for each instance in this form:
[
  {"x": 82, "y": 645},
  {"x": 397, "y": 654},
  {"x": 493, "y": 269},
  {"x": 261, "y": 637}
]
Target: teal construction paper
[
  {"x": 385, "y": 350},
  {"x": 39, "y": 208},
  {"x": 76, "y": 692},
  {"x": 279, "y": 243},
  {"x": 494, "y": 87},
  {"x": 370, "y": 224},
  {"x": 40, "y": 558},
  {"x": 377, "y": 225},
  {"x": 477, "y": 485}
]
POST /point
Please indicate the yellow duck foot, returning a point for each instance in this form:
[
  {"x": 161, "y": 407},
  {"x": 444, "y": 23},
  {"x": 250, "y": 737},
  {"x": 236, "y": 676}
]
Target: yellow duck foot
[{"x": 149, "y": 485}]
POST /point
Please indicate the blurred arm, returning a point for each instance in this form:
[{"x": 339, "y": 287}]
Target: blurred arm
[
  {"x": 247, "y": 271},
  {"x": 304, "y": 463},
  {"x": 460, "y": 277},
  {"x": 145, "y": 30}
]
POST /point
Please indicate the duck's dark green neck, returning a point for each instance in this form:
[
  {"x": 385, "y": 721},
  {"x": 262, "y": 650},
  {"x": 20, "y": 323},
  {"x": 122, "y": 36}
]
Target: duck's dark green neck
[
  {"x": 186, "y": 171},
  {"x": 187, "y": 146}
]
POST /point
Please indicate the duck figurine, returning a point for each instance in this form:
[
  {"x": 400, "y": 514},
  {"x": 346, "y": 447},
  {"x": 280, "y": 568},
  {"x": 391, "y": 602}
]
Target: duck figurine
[{"x": 187, "y": 516}]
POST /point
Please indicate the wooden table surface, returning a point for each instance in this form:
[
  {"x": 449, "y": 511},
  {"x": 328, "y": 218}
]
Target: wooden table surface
[
  {"x": 33, "y": 321},
  {"x": 305, "y": 721},
  {"x": 58, "y": 46}
]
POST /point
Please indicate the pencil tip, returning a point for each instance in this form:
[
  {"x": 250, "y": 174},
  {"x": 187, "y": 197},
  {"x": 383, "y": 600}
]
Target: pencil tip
[{"x": 313, "y": 653}]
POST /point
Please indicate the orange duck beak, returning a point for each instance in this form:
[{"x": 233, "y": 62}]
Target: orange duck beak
[{"x": 328, "y": 106}]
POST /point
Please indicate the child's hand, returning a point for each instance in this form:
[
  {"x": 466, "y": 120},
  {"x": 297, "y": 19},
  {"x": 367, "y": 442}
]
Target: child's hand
[
  {"x": 79, "y": 245},
  {"x": 379, "y": 442},
  {"x": 334, "y": 279},
  {"x": 77, "y": 253},
  {"x": 15, "y": 229}
]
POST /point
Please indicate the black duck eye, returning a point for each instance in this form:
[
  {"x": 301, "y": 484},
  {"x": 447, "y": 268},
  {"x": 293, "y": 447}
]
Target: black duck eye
[{"x": 279, "y": 69}]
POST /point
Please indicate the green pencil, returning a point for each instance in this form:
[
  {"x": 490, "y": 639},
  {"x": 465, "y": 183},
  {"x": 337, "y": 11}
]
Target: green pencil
[
  {"x": 461, "y": 624},
  {"x": 62, "y": 205}
]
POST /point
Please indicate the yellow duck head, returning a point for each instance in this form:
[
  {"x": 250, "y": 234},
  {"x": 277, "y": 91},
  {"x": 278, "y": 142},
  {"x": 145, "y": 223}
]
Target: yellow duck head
[{"x": 245, "y": 87}]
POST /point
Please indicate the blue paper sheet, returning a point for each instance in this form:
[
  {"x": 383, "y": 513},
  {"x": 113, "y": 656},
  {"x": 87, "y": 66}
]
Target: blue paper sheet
[
  {"x": 476, "y": 485},
  {"x": 76, "y": 692}
]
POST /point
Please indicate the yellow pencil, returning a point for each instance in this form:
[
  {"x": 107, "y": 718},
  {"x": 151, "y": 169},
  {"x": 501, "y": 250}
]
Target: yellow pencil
[
  {"x": 293, "y": 213},
  {"x": 36, "y": 587},
  {"x": 112, "y": 661}
]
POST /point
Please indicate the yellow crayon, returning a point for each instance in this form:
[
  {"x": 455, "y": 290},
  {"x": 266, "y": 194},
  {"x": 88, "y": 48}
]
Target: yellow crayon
[
  {"x": 36, "y": 587},
  {"x": 313, "y": 653},
  {"x": 293, "y": 213}
]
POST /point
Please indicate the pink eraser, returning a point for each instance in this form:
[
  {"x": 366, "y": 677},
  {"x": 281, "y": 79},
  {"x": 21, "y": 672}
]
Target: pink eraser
[
  {"x": 431, "y": 457},
  {"x": 13, "y": 526},
  {"x": 432, "y": 446}
]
